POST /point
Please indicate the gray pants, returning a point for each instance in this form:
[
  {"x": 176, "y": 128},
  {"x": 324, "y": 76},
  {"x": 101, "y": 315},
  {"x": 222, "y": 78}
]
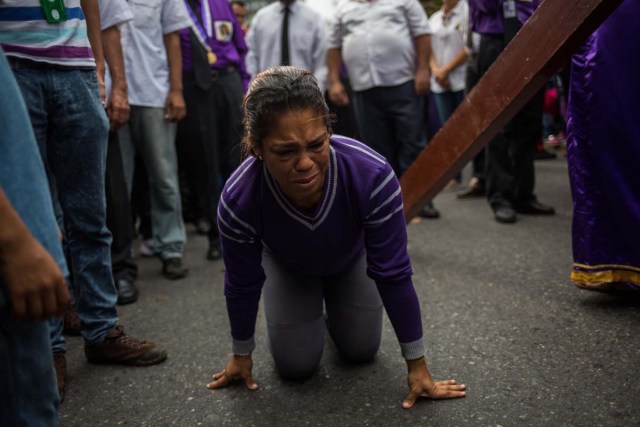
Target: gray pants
[
  {"x": 154, "y": 138},
  {"x": 296, "y": 322}
]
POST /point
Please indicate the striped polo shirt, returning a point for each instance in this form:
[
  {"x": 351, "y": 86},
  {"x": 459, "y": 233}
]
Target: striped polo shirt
[{"x": 25, "y": 33}]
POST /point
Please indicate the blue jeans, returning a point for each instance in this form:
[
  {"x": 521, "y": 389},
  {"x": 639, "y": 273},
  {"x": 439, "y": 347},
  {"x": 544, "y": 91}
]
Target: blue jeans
[
  {"x": 153, "y": 138},
  {"x": 391, "y": 121},
  {"x": 28, "y": 393},
  {"x": 71, "y": 129},
  {"x": 446, "y": 103}
]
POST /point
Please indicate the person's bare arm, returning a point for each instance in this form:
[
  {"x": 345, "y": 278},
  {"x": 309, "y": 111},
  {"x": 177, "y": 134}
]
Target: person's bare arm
[
  {"x": 238, "y": 369},
  {"x": 337, "y": 91},
  {"x": 35, "y": 285},
  {"x": 442, "y": 74},
  {"x": 433, "y": 65},
  {"x": 423, "y": 53},
  {"x": 421, "y": 384},
  {"x": 436, "y": 72},
  {"x": 92, "y": 16},
  {"x": 175, "y": 108},
  {"x": 117, "y": 105}
]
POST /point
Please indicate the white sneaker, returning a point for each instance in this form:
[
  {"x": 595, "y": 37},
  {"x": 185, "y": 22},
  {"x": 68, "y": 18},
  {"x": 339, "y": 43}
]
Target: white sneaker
[{"x": 146, "y": 248}]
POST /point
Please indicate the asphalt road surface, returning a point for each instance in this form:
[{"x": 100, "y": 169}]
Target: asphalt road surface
[{"x": 499, "y": 313}]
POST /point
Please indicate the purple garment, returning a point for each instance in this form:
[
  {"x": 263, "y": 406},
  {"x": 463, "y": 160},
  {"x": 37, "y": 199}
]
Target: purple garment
[
  {"x": 603, "y": 151},
  {"x": 230, "y": 52},
  {"x": 486, "y": 15},
  {"x": 360, "y": 211},
  {"x": 525, "y": 9}
]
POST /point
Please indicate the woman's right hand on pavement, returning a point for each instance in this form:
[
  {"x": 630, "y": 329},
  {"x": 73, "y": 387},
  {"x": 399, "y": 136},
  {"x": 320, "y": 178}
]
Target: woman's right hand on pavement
[{"x": 238, "y": 368}]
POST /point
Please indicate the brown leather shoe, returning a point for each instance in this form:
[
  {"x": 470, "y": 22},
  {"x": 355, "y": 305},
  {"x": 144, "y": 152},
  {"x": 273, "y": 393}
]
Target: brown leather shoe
[
  {"x": 72, "y": 323},
  {"x": 60, "y": 365},
  {"x": 120, "y": 348}
]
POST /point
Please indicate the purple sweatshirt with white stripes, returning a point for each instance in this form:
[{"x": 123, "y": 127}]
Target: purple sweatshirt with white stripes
[{"x": 360, "y": 211}]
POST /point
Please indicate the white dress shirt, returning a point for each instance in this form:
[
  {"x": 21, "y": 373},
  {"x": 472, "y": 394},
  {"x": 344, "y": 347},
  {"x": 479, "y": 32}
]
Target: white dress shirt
[
  {"x": 326, "y": 9},
  {"x": 448, "y": 38},
  {"x": 146, "y": 63},
  {"x": 307, "y": 40},
  {"x": 113, "y": 12},
  {"x": 376, "y": 38}
]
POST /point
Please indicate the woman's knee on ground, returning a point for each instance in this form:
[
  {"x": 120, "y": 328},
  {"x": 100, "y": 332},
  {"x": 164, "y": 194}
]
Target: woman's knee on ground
[
  {"x": 361, "y": 349},
  {"x": 297, "y": 349},
  {"x": 294, "y": 367},
  {"x": 356, "y": 331}
]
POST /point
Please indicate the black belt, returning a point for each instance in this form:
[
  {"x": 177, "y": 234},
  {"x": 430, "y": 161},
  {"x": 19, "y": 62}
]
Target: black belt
[
  {"x": 216, "y": 73},
  {"x": 23, "y": 63},
  {"x": 219, "y": 72},
  {"x": 493, "y": 36}
]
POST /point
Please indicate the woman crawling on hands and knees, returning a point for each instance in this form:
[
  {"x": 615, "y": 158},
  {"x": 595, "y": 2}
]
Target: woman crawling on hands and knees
[{"x": 315, "y": 223}]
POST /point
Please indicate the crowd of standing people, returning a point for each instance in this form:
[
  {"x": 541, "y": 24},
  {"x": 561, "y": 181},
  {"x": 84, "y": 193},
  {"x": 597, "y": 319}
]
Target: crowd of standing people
[{"x": 128, "y": 119}]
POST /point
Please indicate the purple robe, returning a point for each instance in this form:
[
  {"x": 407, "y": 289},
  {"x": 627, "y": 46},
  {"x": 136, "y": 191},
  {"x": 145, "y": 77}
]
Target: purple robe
[
  {"x": 603, "y": 151},
  {"x": 230, "y": 50},
  {"x": 486, "y": 15}
]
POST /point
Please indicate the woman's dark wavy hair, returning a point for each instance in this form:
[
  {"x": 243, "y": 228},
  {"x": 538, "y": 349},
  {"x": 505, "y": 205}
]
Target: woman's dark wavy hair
[{"x": 277, "y": 91}]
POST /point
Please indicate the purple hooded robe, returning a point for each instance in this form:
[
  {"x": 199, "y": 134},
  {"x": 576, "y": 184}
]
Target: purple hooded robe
[{"x": 603, "y": 152}]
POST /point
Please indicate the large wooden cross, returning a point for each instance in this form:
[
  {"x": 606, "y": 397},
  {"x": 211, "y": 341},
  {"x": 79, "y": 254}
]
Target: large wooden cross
[{"x": 546, "y": 40}]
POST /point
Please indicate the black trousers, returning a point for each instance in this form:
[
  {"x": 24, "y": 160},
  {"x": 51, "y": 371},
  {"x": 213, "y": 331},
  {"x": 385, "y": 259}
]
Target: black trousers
[
  {"x": 208, "y": 138},
  {"x": 510, "y": 169},
  {"x": 471, "y": 78},
  {"x": 119, "y": 214},
  {"x": 345, "y": 117},
  {"x": 141, "y": 201}
]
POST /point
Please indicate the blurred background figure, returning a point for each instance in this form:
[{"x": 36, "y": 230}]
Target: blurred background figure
[
  {"x": 510, "y": 171},
  {"x": 554, "y": 112},
  {"x": 477, "y": 184},
  {"x": 448, "y": 61},
  {"x": 288, "y": 32},
  {"x": 325, "y": 8},
  {"x": 113, "y": 14},
  {"x": 214, "y": 80},
  {"x": 240, "y": 11},
  {"x": 345, "y": 123},
  {"x": 385, "y": 47},
  {"x": 154, "y": 77}
]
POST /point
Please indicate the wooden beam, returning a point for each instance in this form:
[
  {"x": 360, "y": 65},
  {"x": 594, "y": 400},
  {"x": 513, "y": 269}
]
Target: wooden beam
[{"x": 546, "y": 40}]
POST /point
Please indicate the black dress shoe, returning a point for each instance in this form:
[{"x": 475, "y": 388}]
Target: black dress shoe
[
  {"x": 505, "y": 215},
  {"x": 430, "y": 212},
  {"x": 534, "y": 207},
  {"x": 214, "y": 252},
  {"x": 173, "y": 269},
  {"x": 544, "y": 155},
  {"x": 127, "y": 291}
]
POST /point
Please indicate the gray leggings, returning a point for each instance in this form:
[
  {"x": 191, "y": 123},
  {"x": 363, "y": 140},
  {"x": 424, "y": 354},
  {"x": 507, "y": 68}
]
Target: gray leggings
[{"x": 296, "y": 323}]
